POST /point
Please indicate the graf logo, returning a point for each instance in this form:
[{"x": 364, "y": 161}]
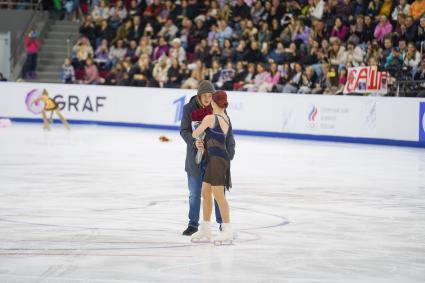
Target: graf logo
[{"x": 179, "y": 108}]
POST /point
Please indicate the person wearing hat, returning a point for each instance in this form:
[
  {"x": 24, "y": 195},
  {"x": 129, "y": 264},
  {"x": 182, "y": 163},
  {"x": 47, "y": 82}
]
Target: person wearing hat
[{"x": 195, "y": 172}]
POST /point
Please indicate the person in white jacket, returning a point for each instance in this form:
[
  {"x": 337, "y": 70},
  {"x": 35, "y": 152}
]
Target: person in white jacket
[
  {"x": 316, "y": 10},
  {"x": 412, "y": 57},
  {"x": 354, "y": 54}
]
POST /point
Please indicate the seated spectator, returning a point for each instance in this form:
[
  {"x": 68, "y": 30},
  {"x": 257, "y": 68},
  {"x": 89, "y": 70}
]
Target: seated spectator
[
  {"x": 141, "y": 73},
  {"x": 117, "y": 14},
  {"x": 134, "y": 9},
  {"x": 214, "y": 72},
  {"x": 160, "y": 50},
  {"x": 354, "y": 54},
  {"x": 240, "y": 75},
  {"x": 88, "y": 30},
  {"x": 213, "y": 34},
  {"x": 67, "y": 73},
  {"x": 337, "y": 56},
  {"x": 104, "y": 32},
  {"x": 193, "y": 81},
  {"x": 273, "y": 79},
  {"x": 135, "y": 32},
  {"x": 113, "y": 77},
  {"x": 160, "y": 72},
  {"x": 308, "y": 80},
  {"x": 225, "y": 80},
  {"x": 117, "y": 52},
  {"x": 294, "y": 83},
  {"x": 402, "y": 8},
  {"x": 332, "y": 81},
  {"x": 100, "y": 12},
  {"x": 123, "y": 32},
  {"x": 145, "y": 47},
  {"x": 82, "y": 50},
  {"x": 417, "y": 9},
  {"x": 260, "y": 80},
  {"x": 131, "y": 51},
  {"x": 226, "y": 52},
  {"x": 339, "y": 30},
  {"x": 168, "y": 30},
  {"x": 177, "y": 51},
  {"x": 420, "y": 76},
  {"x": 412, "y": 58},
  {"x": 91, "y": 74},
  {"x": 173, "y": 75},
  {"x": 101, "y": 56},
  {"x": 382, "y": 29},
  {"x": 254, "y": 53}
]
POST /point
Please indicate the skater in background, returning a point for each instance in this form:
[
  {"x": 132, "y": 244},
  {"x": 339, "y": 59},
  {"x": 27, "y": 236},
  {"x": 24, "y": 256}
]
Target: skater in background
[
  {"x": 217, "y": 174},
  {"x": 195, "y": 172},
  {"x": 52, "y": 106}
]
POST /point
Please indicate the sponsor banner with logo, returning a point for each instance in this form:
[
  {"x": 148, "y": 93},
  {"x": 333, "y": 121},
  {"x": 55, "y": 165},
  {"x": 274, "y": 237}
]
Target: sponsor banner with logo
[
  {"x": 256, "y": 113},
  {"x": 366, "y": 80}
]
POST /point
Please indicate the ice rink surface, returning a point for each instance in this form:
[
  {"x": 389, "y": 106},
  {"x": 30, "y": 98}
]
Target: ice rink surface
[{"x": 105, "y": 204}]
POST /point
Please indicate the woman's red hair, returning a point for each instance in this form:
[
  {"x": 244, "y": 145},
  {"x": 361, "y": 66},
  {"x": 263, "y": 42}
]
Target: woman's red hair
[{"x": 220, "y": 98}]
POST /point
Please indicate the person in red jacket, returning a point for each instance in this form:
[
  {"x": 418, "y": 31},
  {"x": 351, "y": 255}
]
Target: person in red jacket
[{"x": 32, "y": 44}]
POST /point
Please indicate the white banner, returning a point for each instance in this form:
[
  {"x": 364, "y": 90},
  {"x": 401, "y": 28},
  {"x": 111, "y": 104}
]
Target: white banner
[
  {"x": 273, "y": 114},
  {"x": 366, "y": 80}
]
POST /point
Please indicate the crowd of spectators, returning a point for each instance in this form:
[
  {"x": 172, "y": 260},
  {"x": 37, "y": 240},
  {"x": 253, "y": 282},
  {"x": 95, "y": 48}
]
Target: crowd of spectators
[{"x": 294, "y": 46}]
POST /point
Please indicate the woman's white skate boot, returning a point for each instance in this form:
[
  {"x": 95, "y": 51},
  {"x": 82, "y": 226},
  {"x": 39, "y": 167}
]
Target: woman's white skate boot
[
  {"x": 225, "y": 237},
  {"x": 204, "y": 233}
]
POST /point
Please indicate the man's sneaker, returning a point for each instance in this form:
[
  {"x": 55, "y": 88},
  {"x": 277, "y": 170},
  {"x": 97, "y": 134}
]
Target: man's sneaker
[{"x": 190, "y": 230}]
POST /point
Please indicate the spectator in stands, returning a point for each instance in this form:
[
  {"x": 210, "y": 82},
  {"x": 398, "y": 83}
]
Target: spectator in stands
[
  {"x": 308, "y": 80},
  {"x": 141, "y": 73},
  {"x": 420, "y": 76},
  {"x": 100, "y": 12},
  {"x": 145, "y": 47},
  {"x": 354, "y": 54},
  {"x": 87, "y": 30},
  {"x": 134, "y": 9},
  {"x": 136, "y": 31},
  {"x": 123, "y": 32},
  {"x": 32, "y": 45},
  {"x": 160, "y": 50},
  {"x": 117, "y": 52},
  {"x": 117, "y": 14},
  {"x": 68, "y": 73},
  {"x": 81, "y": 51},
  {"x": 102, "y": 55},
  {"x": 169, "y": 30},
  {"x": 412, "y": 58},
  {"x": 293, "y": 84},
  {"x": 382, "y": 29},
  {"x": 91, "y": 73},
  {"x": 402, "y": 8},
  {"x": 103, "y": 31},
  {"x": 417, "y": 9},
  {"x": 160, "y": 72},
  {"x": 339, "y": 30},
  {"x": 177, "y": 51},
  {"x": 173, "y": 75}
]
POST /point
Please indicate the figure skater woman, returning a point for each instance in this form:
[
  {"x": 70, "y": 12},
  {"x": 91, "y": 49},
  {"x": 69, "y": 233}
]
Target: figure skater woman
[
  {"x": 217, "y": 173},
  {"x": 50, "y": 105}
]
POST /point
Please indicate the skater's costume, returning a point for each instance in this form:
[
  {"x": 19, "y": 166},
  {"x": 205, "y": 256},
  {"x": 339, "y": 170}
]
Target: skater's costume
[
  {"x": 49, "y": 104},
  {"x": 218, "y": 168}
]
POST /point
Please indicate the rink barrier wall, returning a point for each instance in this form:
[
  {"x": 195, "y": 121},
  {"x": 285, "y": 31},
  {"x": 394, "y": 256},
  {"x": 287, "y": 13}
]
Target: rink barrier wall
[{"x": 370, "y": 120}]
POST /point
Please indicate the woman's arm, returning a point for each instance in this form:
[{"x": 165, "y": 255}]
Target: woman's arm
[{"x": 207, "y": 122}]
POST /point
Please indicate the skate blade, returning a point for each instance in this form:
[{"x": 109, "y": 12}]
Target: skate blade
[
  {"x": 199, "y": 241},
  {"x": 223, "y": 243}
]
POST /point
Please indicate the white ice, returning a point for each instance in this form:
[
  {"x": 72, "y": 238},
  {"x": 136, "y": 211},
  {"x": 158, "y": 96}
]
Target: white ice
[{"x": 105, "y": 204}]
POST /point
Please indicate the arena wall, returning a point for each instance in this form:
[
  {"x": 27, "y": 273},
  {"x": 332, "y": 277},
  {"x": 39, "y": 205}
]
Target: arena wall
[{"x": 375, "y": 120}]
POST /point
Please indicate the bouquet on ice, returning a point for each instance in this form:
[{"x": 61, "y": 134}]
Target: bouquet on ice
[{"x": 197, "y": 117}]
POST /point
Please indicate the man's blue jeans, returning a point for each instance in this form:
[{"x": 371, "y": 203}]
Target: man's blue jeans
[{"x": 195, "y": 187}]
